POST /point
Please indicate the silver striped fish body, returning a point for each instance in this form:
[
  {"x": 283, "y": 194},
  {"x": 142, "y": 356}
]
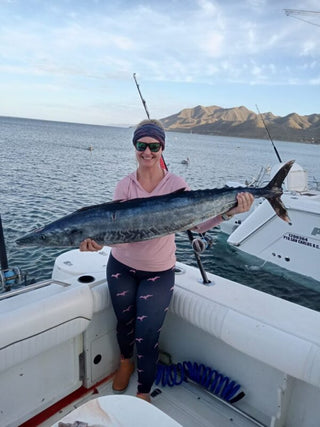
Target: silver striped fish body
[
  {"x": 148, "y": 218},
  {"x": 143, "y": 219}
]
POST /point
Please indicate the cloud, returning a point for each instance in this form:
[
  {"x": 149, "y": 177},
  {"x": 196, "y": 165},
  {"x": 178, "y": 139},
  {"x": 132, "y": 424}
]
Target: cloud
[
  {"x": 213, "y": 44},
  {"x": 71, "y": 44}
]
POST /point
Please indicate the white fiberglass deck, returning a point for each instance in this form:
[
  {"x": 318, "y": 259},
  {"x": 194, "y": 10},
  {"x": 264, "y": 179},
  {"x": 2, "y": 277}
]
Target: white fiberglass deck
[{"x": 188, "y": 404}]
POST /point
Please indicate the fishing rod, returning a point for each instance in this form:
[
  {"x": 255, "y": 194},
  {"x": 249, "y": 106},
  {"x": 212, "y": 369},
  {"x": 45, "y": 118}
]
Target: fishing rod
[
  {"x": 189, "y": 232},
  {"x": 8, "y": 276},
  {"x": 3, "y": 252},
  {"x": 264, "y": 123},
  {"x": 143, "y": 101},
  {"x": 162, "y": 161}
]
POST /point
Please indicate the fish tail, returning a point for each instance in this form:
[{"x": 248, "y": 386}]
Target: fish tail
[{"x": 275, "y": 185}]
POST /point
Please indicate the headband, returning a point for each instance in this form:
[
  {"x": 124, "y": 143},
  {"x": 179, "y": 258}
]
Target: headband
[{"x": 151, "y": 130}]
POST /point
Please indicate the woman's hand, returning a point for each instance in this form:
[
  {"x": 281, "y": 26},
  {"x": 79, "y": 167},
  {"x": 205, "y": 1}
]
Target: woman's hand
[
  {"x": 245, "y": 201},
  {"x": 89, "y": 245}
]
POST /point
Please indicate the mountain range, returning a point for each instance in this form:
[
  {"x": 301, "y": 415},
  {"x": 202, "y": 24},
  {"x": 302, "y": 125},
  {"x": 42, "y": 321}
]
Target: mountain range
[{"x": 243, "y": 123}]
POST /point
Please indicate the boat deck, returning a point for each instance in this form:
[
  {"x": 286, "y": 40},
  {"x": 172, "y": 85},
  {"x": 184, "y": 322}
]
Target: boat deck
[{"x": 188, "y": 404}]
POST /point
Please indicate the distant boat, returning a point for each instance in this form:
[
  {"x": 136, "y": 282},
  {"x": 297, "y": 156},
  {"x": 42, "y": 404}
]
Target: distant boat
[{"x": 90, "y": 148}]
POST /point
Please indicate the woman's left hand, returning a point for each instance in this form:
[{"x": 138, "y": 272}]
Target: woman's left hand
[
  {"x": 245, "y": 201},
  {"x": 89, "y": 245}
]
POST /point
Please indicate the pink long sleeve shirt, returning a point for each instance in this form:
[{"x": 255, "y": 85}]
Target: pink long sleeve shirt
[{"x": 156, "y": 254}]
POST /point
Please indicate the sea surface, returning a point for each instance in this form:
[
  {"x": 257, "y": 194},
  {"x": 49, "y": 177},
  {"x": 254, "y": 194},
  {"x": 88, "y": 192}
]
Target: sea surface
[{"x": 47, "y": 171}]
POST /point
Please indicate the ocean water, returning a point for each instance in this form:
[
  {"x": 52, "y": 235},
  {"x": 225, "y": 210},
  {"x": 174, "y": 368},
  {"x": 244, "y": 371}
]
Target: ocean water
[{"x": 47, "y": 171}]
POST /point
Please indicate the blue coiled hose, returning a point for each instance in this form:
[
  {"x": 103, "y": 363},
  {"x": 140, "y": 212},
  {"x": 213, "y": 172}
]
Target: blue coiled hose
[{"x": 208, "y": 378}]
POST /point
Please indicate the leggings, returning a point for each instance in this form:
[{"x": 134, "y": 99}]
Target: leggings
[{"x": 140, "y": 300}]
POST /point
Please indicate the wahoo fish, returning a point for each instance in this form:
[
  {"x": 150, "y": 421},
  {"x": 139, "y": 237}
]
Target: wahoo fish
[{"x": 142, "y": 219}]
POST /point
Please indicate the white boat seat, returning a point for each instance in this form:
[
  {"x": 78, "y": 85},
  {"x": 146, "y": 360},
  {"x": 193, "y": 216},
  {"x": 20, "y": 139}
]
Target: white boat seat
[
  {"x": 86, "y": 267},
  {"x": 37, "y": 320}
]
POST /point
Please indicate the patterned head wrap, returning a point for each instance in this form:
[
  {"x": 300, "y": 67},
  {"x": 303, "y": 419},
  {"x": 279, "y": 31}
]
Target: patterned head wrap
[{"x": 151, "y": 130}]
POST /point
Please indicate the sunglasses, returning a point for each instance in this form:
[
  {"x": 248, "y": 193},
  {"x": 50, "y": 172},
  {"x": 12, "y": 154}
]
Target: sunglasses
[{"x": 153, "y": 146}]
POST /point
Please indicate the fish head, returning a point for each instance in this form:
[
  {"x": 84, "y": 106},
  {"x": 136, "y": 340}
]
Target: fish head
[
  {"x": 49, "y": 236},
  {"x": 38, "y": 237}
]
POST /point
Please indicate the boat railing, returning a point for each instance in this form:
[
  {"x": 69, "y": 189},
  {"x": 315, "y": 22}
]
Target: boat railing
[
  {"x": 262, "y": 178},
  {"x": 33, "y": 287}
]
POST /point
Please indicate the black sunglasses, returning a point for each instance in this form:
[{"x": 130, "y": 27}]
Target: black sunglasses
[{"x": 153, "y": 146}]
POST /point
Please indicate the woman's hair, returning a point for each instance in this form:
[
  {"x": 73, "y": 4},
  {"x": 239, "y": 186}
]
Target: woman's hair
[{"x": 148, "y": 121}]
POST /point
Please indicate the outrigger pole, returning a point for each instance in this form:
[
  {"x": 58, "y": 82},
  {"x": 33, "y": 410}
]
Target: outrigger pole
[
  {"x": 264, "y": 123},
  {"x": 164, "y": 166}
]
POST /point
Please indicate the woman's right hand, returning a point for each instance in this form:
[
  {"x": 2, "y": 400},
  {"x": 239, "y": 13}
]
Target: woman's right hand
[{"x": 89, "y": 245}]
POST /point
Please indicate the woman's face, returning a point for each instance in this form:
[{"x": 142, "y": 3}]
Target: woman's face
[{"x": 148, "y": 158}]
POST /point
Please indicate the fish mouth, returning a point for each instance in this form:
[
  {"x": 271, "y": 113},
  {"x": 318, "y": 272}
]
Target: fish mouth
[
  {"x": 25, "y": 241},
  {"x": 30, "y": 239}
]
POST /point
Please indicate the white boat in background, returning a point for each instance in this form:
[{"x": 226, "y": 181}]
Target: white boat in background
[
  {"x": 294, "y": 246},
  {"x": 58, "y": 352}
]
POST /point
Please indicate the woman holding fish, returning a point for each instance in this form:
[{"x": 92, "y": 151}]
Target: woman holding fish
[{"x": 141, "y": 274}]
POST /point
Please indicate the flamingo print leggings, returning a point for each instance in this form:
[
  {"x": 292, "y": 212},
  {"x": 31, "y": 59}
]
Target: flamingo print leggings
[{"x": 140, "y": 301}]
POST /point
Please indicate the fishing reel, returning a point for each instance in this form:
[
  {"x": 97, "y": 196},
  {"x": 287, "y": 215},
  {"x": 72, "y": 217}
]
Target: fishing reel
[
  {"x": 201, "y": 243},
  {"x": 10, "y": 277}
]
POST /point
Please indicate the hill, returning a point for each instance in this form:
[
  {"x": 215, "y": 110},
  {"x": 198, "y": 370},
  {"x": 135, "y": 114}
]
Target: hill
[{"x": 243, "y": 123}]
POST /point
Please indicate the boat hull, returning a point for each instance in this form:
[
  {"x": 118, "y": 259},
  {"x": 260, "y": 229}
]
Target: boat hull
[{"x": 294, "y": 246}]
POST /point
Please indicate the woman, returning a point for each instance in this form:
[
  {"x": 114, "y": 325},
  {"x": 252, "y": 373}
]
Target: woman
[{"x": 141, "y": 275}]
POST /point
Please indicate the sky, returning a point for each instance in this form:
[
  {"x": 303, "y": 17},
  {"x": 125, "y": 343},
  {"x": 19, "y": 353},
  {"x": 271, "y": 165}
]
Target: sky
[{"x": 73, "y": 60}]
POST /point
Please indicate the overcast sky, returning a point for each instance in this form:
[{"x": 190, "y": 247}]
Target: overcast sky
[{"x": 73, "y": 60}]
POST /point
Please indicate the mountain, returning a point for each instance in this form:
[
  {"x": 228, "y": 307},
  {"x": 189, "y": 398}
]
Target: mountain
[{"x": 243, "y": 123}]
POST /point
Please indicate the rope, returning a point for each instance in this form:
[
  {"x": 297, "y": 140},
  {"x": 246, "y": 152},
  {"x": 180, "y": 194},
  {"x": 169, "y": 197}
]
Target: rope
[{"x": 210, "y": 379}]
